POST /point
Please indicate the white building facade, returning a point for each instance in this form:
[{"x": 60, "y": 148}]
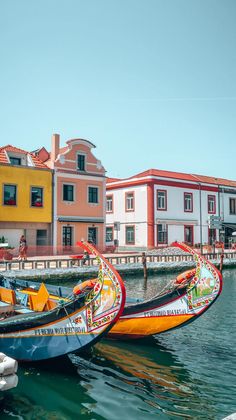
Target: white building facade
[{"x": 155, "y": 208}]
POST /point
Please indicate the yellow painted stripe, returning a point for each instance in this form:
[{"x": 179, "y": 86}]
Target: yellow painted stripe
[{"x": 148, "y": 325}]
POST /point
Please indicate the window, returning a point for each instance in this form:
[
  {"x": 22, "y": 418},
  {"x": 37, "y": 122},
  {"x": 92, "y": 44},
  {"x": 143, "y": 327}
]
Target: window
[
  {"x": 93, "y": 195},
  {"x": 129, "y": 235},
  {"x": 41, "y": 237},
  {"x": 211, "y": 204},
  {"x": 232, "y": 206},
  {"x": 109, "y": 207},
  {"x": 15, "y": 161},
  {"x": 36, "y": 197},
  {"x": 188, "y": 235},
  {"x": 129, "y": 201},
  {"x": 161, "y": 200},
  {"x": 9, "y": 195},
  {"x": 188, "y": 202},
  {"x": 67, "y": 232},
  {"x": 81, "y": 162},
  {"x": 161, "y": 234},
  {"x": 109, "y": 234},
  {"x": 68, "y": 192}
]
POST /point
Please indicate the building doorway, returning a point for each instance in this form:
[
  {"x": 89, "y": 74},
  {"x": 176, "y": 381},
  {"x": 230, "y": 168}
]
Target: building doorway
[
  {"x": 93, "y": 235},
  {"x": 67, "y": 233},
  {"x": 188, "y": 235},
  {"x": 211, "y": 236}
]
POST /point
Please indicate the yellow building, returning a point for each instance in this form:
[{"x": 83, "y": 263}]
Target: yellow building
[{"x": 26, "y": 198}]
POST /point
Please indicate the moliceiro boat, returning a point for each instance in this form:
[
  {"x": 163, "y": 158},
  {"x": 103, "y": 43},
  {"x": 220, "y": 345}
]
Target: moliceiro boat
[
  {"x": 38, "y": 323},
  {"x": 185, "y": 299}
]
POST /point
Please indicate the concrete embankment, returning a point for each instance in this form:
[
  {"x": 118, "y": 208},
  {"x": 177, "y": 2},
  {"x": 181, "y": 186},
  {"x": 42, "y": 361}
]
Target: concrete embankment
[{"x": 85, "y": 272}]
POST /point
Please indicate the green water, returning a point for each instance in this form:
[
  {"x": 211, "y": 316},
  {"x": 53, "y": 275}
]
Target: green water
[{"x": 184, "y": 374}]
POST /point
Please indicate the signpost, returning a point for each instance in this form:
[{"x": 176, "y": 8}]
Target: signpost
[{"x": 215, "y": 222}]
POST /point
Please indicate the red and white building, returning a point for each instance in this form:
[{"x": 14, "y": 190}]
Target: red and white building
[{"x": 156, "y": 207}]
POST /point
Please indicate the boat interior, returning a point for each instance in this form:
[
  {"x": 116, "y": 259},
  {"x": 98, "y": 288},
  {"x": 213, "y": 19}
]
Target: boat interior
[{"x": 24, "y": 297}]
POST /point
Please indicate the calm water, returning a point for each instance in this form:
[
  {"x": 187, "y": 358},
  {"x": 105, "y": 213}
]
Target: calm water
[{"x": 188, "y": 373}]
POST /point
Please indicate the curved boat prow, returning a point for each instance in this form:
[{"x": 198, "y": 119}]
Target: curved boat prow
[
  {"x": 108, "y": 280},
  {"x": 186, "y": 299},
  {"x": 48, "y": 326},
  {"x": 205, "y": 285}
]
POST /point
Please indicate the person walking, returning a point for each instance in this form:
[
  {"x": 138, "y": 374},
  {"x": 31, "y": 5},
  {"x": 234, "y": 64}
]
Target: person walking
[{"x": 22, "y": 248}]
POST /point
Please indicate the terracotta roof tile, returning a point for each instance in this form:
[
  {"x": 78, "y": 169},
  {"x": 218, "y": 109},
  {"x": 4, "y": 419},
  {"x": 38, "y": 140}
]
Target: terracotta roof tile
[
  {"x": 178, "y": 175},
  {"x": 9, "y": 148}
]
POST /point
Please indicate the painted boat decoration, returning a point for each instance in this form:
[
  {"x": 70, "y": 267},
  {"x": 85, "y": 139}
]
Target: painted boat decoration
[
  {"x": 188, "y": 297},
  {"x": 36, "y": 324}
]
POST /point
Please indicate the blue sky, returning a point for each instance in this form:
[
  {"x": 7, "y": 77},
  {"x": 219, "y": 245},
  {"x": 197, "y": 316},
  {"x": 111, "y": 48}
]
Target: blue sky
[{"x": 151, "y": 82}]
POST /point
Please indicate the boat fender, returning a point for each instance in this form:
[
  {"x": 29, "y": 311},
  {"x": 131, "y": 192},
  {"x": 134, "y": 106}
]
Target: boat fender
[
  {"x": 80, "y": 288},
  {"x": 8, "y": 382},
  {"x": 186, "y": 276},
  {"x": 8, "y": 365}
]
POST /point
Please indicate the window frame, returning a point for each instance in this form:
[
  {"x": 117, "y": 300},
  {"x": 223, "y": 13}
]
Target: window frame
[
  {"x": 43, "y": 238},
  {"x": 71, "y": 227},
  {"x": 209, "y": 200},
  {"x": 85, "y": 161},
  {"x": 112, "y": 233},
  {"x": 165, "y": 200},
  {"x": 128, "y": 227},
  {"x": 3, "y": 195},
  {"x": 186, "y": 193},
  {"x": 31, "y": 205},
  {"x": 232, "y": 199},
  {"x": 129, "y": 193},
  {"x": 92, "y": 202},
  {"x": 67, "y": 184},
  {"x": 165, "y": 239},
  {"x": 112, "y": 207}
]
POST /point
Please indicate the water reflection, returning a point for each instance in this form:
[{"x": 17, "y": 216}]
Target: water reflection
[{"x": 187, "y": 373}]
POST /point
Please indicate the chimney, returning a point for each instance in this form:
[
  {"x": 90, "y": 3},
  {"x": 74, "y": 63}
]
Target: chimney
[{"x": 55, "y": 147}]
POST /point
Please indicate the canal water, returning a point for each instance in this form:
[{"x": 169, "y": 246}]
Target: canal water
[{"x": 189, "y": 373}]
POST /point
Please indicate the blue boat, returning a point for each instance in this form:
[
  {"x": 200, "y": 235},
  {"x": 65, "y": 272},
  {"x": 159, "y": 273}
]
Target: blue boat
[{"x": 38, "y": 325}]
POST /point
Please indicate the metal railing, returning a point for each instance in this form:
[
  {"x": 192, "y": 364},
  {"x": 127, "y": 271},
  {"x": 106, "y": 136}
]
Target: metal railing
[{"x": 48, "y": 263}]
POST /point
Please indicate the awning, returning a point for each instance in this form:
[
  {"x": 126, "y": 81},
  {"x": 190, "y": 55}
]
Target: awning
[
  {"x": 71, "y": 219},
  {"x": 229, "y": 225}
]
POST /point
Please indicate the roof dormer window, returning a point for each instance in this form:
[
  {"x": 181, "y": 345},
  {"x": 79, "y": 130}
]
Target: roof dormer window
[
  {"x": 19, "y": 159},
  {"x": 15, "y": 160}
]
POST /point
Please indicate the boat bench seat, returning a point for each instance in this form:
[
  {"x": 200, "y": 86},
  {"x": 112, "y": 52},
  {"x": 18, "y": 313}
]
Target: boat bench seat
[{"x": 7, "y": 296}]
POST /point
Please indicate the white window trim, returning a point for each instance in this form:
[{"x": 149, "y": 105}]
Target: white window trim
[
  {"x": 85, "y": 161},
  {"x": 42, "y": 188},
  {"x": 110, "y": 197},
  {"x": 68, "y": 201},
  {"x": 93, "y": 186}
]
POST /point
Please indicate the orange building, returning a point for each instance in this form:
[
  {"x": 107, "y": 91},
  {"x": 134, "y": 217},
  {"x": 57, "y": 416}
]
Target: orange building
[{"x": 79, "y": 186}]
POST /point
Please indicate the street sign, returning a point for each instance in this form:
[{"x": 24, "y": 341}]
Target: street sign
[{"x": 215, "y": 222}]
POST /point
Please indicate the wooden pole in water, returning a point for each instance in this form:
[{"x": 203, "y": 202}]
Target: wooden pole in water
[
  {"x": 221, "y": 261},
  {"x": 144, "y": 262}
]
